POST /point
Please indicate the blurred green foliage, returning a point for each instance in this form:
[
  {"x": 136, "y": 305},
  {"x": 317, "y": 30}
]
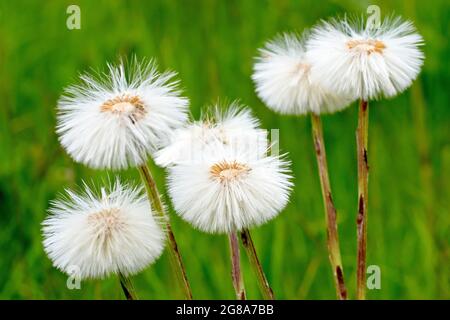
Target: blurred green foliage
[{"x": 212, "y": 44}]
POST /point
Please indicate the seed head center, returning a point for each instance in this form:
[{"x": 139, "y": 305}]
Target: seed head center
[
  {"x": 128, "y": 105},
  {"x": 228, "y": 171},
  {"x": 368, "y": 46},
  {"x": 123, "y": 107},
  {"x": 106, "y": 221},
  {"x": 303, "y": 67}
]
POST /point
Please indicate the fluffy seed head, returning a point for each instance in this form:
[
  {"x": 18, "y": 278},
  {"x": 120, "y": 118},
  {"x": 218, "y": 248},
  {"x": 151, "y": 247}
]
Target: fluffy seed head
[
  {"x": 234, "y": 128},
  {"x": 365, "y": 62},
  {"x": 116, "y": 122},
  {"x": 97, "y": 235},
  {"x": 228, "y": 192},
  {"x": 282, "y": 75}
]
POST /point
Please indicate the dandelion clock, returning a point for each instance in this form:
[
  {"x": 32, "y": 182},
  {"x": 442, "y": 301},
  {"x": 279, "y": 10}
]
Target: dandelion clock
[
  {"x": 102, "y": 234},
  {"x": 365, "y": 62},
  {"x": 228, "y": 192},
  {"x": 234, "y": 128},
  {"x": 284, "y": 81},
  {"x": 115, "y": 120}
]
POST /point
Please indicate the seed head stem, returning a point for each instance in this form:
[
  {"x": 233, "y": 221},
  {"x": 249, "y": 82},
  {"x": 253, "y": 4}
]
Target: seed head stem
[
  {"x": 236, "y": 271},
  {"x": 334, "y": 252},
  {"x": 249, "y": 246},
  {"x": 127, "y": 287},
  {"x": 362, "y": 135},
  {"x": 155, "y": 199}
]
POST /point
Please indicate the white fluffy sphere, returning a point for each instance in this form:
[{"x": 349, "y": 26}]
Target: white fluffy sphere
[
  {"x": 97, "y": 235},
  {"x": 234, "y": 128},
  {"x": 229, "y": 192},
  {"x": 282, "y": 75},
  {"x": 117, "y": 121},
  {"x": 365, "y": 62}
]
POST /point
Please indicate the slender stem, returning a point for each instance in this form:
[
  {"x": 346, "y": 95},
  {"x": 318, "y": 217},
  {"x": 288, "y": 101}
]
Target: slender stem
[
  {"x": 127, "y": 287},
  {"x": 236, "y": 272},
  {"x": 155, "y": 199},
  {"x": 249, "y": 246},
  {"x": 363, "y": 191},
  {"x": 334, "y": 252}
]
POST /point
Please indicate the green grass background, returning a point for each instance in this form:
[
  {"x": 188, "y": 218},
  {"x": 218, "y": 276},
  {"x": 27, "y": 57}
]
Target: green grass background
[{"x": 212, "y": 44}]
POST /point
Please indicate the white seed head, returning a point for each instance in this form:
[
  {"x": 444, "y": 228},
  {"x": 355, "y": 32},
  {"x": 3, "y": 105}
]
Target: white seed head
[
  {"x": 282, "y": 75},
  {"x": 234, "y": 128},
  {"x": 102, "y": 234},
  {"x": 229, "y": 192},
  {"x": 118, "y": 121},
  {"x": 365, "y": 62}
]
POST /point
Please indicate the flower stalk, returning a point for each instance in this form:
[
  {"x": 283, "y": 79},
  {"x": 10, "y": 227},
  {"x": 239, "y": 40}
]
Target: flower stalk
[
  {"x": 249, "y": 246},
  {"x": 236, "y": 272},
  {"x": 363, "y": 192},
  {"x": 127, "y": 287},
  {"x": 330, "y": 210},
  {"x": 155, "y": 199}
]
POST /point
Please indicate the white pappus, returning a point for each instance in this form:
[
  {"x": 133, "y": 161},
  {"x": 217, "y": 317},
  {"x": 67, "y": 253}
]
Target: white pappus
[
  {"x": 116, "y": 120},
  {"x": 282, "y": 75},
  {"x": 235, "y": 128},
  {"x": 229, "y": 191},
  {"x": 102, "y": 234},
  {"x": 363, "y": 61}
]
